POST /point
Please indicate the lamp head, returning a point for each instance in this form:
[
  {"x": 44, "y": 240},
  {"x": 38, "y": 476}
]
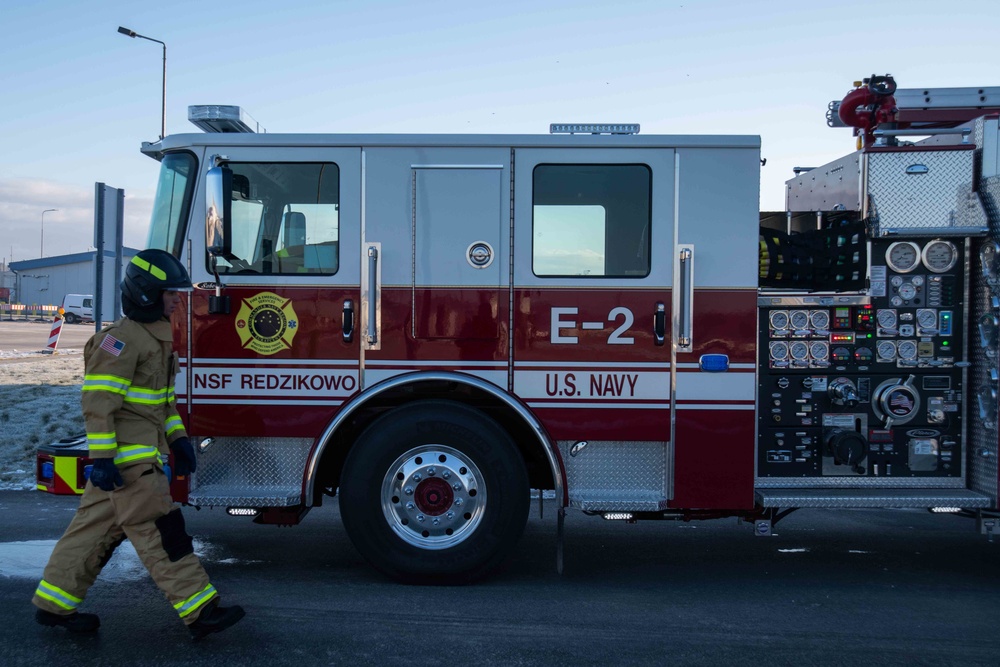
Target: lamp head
[{"x": 126, "y": 31}]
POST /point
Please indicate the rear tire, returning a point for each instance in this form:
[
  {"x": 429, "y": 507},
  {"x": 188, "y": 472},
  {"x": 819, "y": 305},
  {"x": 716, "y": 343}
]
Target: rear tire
[{"x": 434, "y": 492}]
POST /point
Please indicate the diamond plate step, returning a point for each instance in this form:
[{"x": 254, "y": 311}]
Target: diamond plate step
[{"x": 871, "y": 498}]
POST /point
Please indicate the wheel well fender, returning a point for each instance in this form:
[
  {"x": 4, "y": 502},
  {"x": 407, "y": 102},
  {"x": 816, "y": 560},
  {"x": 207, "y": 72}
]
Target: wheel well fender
[{"x": 326, "y": 460}]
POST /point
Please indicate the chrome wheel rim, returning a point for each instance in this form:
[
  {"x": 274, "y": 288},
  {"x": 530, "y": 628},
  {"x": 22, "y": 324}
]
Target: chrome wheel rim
[{"x": 433, "y": 497}]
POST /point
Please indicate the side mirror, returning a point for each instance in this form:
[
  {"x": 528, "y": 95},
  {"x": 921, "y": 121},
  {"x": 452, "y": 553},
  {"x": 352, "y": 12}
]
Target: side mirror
[{"x": 219, "y": 212}]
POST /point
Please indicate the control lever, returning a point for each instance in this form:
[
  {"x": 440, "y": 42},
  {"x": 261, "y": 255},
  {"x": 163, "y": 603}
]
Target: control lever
[{"x": 843, "y": 392}]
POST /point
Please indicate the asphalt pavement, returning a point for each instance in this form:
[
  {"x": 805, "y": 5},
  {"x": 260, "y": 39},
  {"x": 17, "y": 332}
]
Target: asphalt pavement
[
  {"x": 831, "y": 588},
  {"x": 33, "y": 336}
]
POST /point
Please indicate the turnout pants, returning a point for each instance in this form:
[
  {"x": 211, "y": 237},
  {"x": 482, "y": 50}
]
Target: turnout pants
[{"x": 143, "y": 512}]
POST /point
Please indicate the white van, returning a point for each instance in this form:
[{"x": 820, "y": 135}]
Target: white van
[{"x": 78, "y": 308}]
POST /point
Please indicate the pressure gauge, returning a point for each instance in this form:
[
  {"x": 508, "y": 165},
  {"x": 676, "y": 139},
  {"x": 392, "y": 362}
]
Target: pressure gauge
[
  {"x": 902, "y": 256},
  {"x": 927, "y": 318},
  {"x": 917, "y": 280},
  {"x": 886, "y": 350},
  {"x": 799, "y": 319},
  {"x": 907, "y": 291},
  {"x": 819, "y": 351},
  {"x": 907, "y": 350},
  {"x": 939, "y": 255},
  {"x": 819, "y": 319},
  {"x": 779, "y": 350},
  {"x": 799, "y": 350},
  {"x": 886, "y": 318},
  {"x": 779, "y": 319}
]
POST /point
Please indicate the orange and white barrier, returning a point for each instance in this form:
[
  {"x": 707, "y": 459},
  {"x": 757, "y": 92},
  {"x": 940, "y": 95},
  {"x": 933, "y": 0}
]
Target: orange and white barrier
[
  {"x": 26, "y": 310},
  {"x": 54, "y": 334}
]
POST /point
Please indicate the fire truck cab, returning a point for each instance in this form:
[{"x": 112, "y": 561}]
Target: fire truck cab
[{"x": 431, "y": 326}]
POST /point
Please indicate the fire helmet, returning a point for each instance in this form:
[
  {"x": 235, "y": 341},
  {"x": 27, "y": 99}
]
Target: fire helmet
[{"x": 147, "y": 276}]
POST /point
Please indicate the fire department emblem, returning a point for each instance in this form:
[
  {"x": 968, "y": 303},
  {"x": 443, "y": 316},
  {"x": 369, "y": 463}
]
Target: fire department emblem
[{"x": 266, "y": 323}]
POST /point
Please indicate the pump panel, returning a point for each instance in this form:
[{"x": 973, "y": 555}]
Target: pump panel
[{"x": 867, "y": 390}]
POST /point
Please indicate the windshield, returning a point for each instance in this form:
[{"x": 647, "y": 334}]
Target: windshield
[{"x": 173, "y": 198}]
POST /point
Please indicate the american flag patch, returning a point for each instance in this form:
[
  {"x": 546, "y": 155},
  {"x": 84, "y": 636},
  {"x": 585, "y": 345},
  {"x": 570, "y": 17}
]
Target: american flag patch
[{"x": 112, "y": 345}]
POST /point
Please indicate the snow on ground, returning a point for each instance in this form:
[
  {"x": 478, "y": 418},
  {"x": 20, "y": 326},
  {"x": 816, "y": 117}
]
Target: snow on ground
[
  {"x": 32, "y": 354},
  {"x": 25, "y": 560},
  {"x": 39, "y": 404}
]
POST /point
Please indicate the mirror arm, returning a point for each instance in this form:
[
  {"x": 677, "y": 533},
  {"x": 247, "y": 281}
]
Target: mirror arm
[{"x": 217, "y": 304}]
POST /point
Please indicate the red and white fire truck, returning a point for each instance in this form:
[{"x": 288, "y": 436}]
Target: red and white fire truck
[{"x": 429, "y": 327}]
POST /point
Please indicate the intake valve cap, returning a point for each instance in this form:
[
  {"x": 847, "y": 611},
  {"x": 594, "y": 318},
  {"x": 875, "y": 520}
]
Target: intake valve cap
[{"x": 848, "y": 448}]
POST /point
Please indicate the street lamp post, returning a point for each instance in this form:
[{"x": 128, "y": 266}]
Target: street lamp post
[
  {"x": 41, "y": 249},
  {"x": 163, "y": 98}
]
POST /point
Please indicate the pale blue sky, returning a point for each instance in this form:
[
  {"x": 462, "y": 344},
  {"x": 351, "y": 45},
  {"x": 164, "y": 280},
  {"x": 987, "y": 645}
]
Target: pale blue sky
[{"x": 78, "y": 98}]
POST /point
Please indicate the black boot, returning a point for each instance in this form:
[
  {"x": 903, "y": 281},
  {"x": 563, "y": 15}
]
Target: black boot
[
  {"x": 214, "y": 618},
  {"x": 74, "y": 622}
]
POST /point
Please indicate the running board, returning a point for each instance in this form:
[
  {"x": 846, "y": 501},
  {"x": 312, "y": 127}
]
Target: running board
[{"x": 874, "y": 498}]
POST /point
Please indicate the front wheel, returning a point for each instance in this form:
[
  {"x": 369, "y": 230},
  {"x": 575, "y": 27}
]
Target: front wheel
[
  {"x": 71, "y": 318},
  {"x": 434, "y": 492}
]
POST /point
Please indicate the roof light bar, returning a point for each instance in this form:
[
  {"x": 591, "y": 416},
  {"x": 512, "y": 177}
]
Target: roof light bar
[
  {"x": 223, "y": 118},
  {"x": 594, "y": 128}
]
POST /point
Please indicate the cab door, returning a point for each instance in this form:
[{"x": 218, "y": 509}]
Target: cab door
[
  {"x": 285, "y": 354},
  {"x": 594, "y": 248}
]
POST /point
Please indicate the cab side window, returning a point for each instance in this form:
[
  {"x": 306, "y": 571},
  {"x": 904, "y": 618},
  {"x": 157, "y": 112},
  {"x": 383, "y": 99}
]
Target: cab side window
[
  {"x": 591, "y": 220},
  {"x": 286, "y": 219}
]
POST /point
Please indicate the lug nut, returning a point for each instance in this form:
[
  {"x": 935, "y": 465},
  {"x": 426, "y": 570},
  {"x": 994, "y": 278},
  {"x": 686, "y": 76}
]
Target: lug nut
[
  {"x": 456, "y": 486},
  {"x": 420, "y": 518},
  {"x": 410, "y": 506},
  {"x": 446, "y": 474},
  {"x": 458, "y": 502},
  {"x": 431, "y": 472},
  {"x": 408, "y": 490},
  {"x": 436, "y": 521},
  {"x": 450, "y": 515},
  {"x": 416, "y": 478}
]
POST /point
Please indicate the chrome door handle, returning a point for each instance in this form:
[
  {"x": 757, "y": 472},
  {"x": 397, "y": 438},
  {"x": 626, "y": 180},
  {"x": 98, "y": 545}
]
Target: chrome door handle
[
  {"x": 659, "y": 323},
  {"x": 348, "y": 321}
]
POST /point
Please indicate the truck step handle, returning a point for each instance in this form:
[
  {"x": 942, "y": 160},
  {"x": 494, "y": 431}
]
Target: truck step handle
[
  {"x": 685, "y": 314},
  {"x": 372, "y": 295}
]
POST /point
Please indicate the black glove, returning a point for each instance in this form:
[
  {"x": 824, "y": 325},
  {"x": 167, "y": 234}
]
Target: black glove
[
  {"x": 105, "y": 476},
  {"x": 185, "y": 462}
]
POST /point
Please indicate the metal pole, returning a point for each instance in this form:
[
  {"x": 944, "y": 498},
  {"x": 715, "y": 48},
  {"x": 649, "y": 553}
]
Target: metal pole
[
  {"x": 163, "y": 96},
  {"x": 41, "y": 249},
  {"x": 163, "y": 105}
]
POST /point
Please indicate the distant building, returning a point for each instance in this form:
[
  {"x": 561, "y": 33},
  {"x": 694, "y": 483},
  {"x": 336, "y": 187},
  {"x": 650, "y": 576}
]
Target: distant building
[
  {"x": 6, "y": 283},
  {"x": 45, "y": 281}
]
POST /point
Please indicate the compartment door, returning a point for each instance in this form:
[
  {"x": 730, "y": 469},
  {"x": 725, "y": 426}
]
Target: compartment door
[{"x": 456, "y": 235}]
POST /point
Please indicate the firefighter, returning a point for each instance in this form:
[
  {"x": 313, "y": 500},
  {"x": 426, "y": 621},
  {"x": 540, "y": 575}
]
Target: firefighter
[{"x": 132, "y": 424}]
